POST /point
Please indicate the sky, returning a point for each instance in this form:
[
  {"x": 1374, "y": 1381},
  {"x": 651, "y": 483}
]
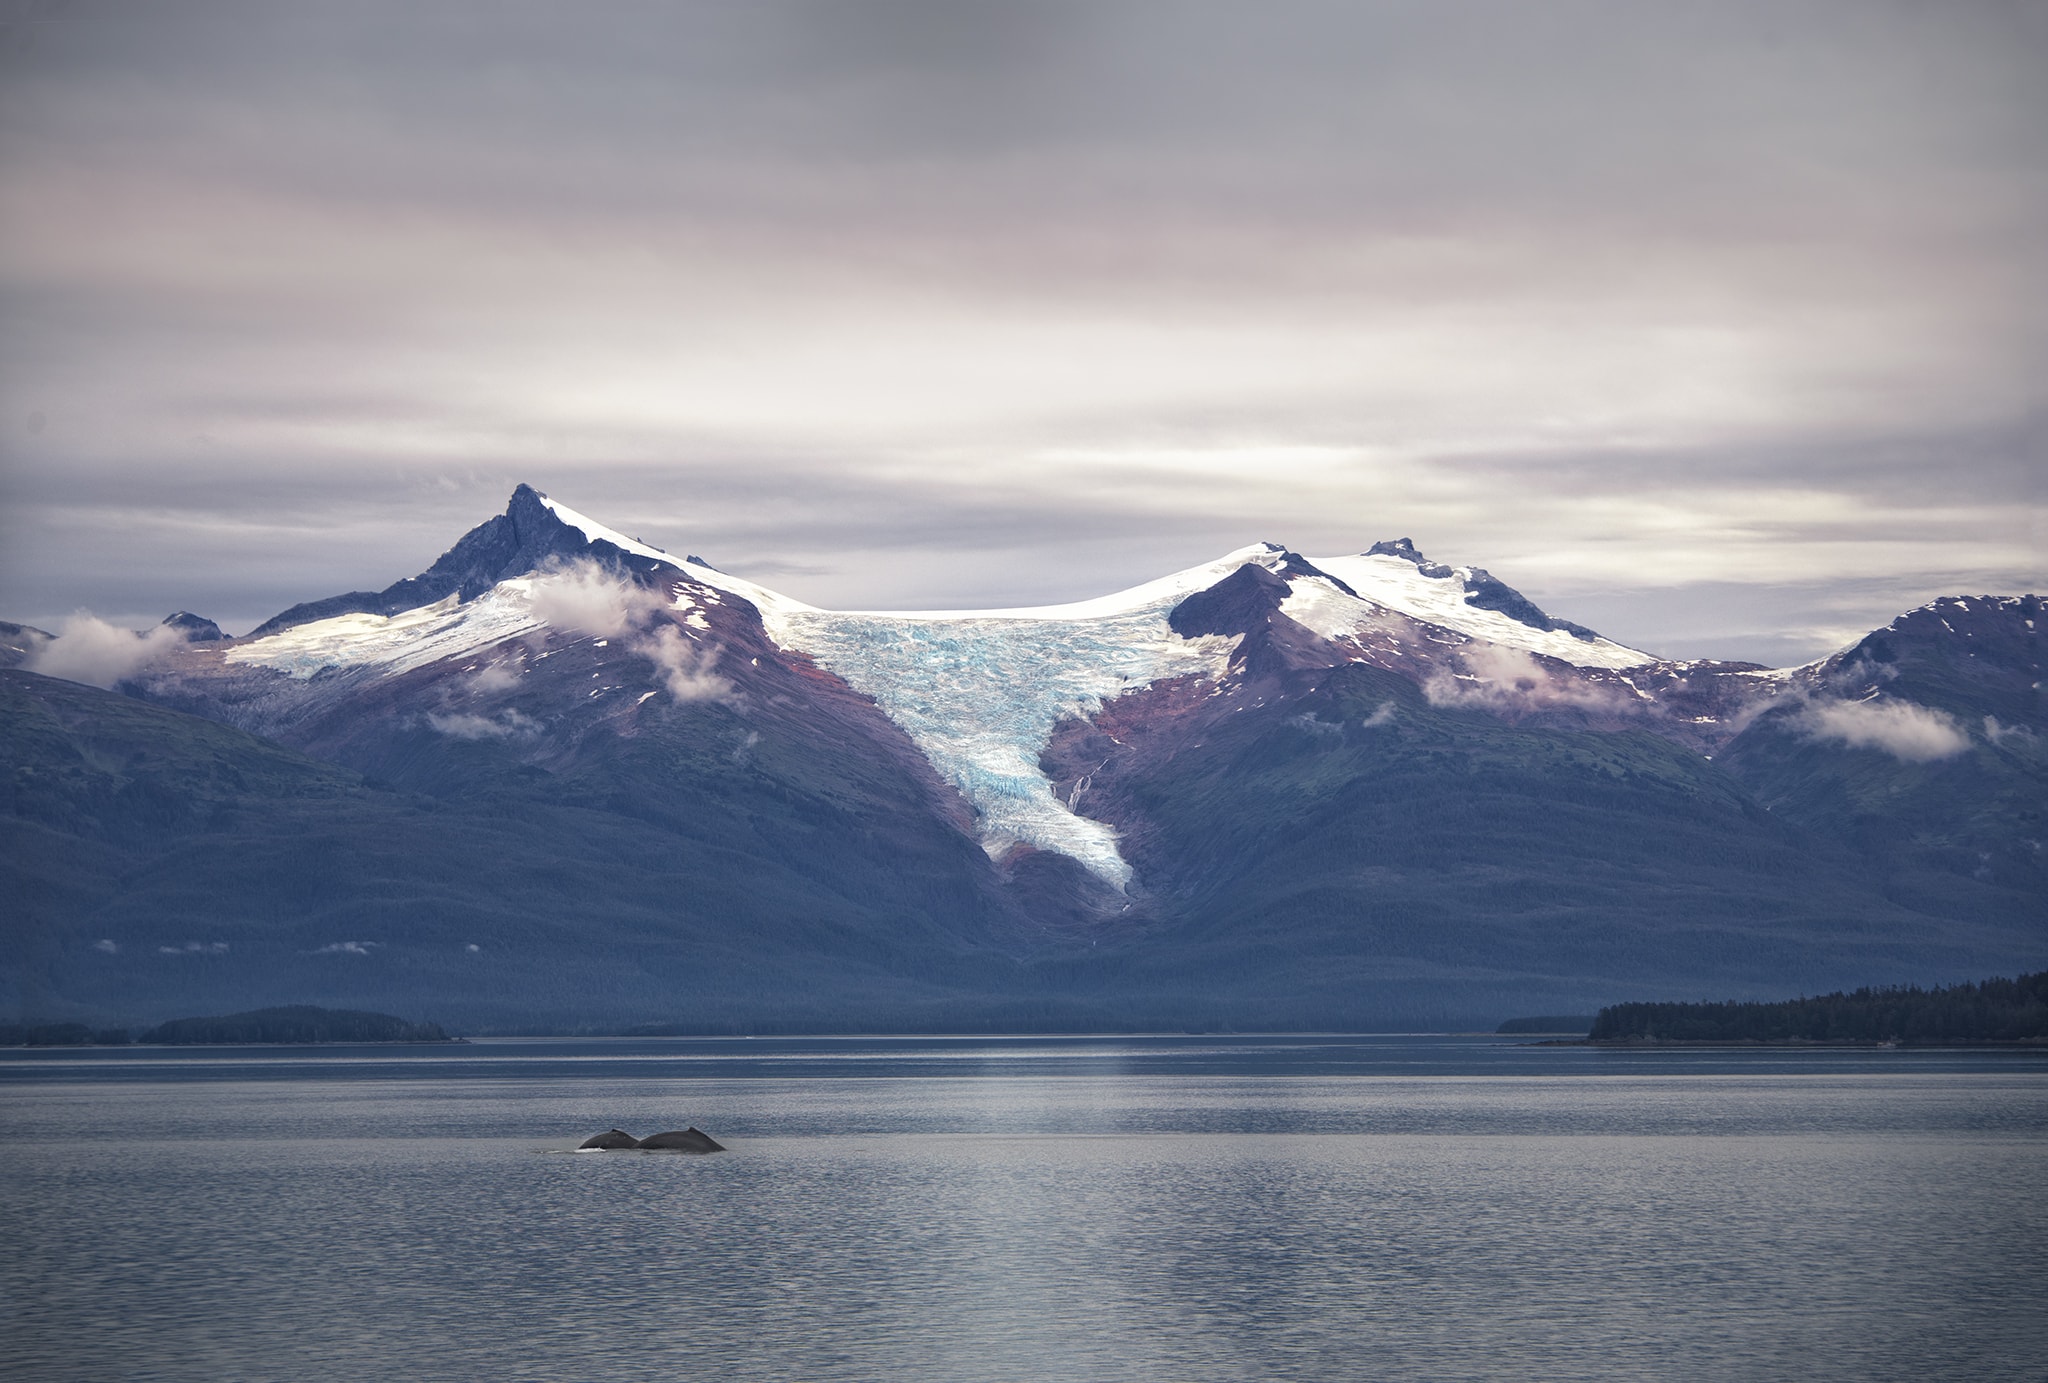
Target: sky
[{"x": 1720, "y": 327}]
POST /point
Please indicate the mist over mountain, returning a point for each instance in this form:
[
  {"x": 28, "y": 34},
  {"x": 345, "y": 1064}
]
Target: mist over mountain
[{"x": 565, "y": 780}]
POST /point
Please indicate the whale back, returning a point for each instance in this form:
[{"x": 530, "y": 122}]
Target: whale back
[
  {"x": 610, "y": 1140},
  {"x": 689, "y": 1140}
]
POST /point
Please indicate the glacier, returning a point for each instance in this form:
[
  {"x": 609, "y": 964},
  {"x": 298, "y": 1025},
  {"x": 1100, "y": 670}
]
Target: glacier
[{"x": 980, "y": 694}]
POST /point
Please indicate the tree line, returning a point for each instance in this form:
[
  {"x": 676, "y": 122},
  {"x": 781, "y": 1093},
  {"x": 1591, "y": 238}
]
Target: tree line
[
  {"x": 297, "y": 1023},
  {"x": 1995, "y": 1010}
]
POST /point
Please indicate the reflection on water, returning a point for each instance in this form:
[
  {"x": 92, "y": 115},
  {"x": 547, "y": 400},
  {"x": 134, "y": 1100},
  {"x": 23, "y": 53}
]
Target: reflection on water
[{"x": 1173, "y": 1209}]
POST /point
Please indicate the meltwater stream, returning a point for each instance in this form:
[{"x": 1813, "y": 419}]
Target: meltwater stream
[{"x": 1170, "y": 1208}]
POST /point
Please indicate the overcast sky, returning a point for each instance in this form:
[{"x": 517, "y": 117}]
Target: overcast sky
[{"x": 1720, "y": 327}]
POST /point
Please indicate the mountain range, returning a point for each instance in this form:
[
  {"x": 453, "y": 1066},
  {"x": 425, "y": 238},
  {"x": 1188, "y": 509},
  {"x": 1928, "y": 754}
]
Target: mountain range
[{"x": 565, "y": 781}]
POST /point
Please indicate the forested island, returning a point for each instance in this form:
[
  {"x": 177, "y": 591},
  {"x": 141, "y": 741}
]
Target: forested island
[
  {"x": 2011, "y": 1011},
  {"x": 295, "y": 1023}
]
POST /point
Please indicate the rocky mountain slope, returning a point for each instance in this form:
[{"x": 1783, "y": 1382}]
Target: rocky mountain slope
[{"x": 565, "y": 779}]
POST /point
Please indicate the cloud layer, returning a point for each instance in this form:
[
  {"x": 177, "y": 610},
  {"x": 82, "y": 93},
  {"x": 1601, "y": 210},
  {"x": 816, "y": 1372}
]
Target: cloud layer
[{"x": 1709, "y": 325}]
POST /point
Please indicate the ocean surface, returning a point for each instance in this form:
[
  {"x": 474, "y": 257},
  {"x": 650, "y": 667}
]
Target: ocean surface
[{"x": 1181, "y": 1209}]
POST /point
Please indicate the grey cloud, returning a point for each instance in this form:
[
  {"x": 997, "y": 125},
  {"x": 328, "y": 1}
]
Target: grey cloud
[{"x": 929, "y": 303}]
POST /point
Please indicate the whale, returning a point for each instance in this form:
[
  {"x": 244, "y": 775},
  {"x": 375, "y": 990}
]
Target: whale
[
  {"x": 610, "y": 1141},
  {"x": 689, "y": 1140}
]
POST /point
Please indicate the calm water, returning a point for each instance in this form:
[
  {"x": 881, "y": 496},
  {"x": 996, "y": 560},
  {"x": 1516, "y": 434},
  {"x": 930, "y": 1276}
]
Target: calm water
[{"x": 1177, "y": 1209}]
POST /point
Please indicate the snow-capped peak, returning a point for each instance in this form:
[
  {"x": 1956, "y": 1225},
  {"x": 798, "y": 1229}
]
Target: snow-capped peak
[
  {"x": 1396, "y": 577},
  {"x": 598, "y": 533}
]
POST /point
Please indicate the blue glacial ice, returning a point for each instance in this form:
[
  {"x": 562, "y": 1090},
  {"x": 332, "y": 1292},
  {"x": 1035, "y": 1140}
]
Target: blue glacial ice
[{"x": 980, "y": 695}]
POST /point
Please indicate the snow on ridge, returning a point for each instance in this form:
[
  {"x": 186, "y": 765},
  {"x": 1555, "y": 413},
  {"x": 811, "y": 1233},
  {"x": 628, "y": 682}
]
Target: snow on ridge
[
  {"x": 1176, "y": 588},
  {"x": 772, "y": 604},
  {"x": 1396, "y": 584},
  {"x": 394, "y": 643},
  {"x": 597, "y": 532},
  {"x": 1381, "y": 581},
  {"x": 696, "y": 570}
]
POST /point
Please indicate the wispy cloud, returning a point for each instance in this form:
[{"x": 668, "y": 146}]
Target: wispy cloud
[
  {"x": 1909, "y": 732},
  {"x": 1508, "y": 679},
  {"x": 685, "y": 666},
  {"x": 346, "y": 948},
  {"x": 467, "y": 725}
]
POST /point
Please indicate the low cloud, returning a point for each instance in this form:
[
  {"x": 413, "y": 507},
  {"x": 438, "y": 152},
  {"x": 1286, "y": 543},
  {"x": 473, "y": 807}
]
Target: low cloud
[
  {"x": 195, "y": 948},
  {"x": 1908, "y": 732},
  {"x": 684, "y": 665},
  {"x": 345, "y": 948},
  {"x": 466, "y": 725},
  {"x": 1999, "y": 734},
  {"x": 586, "y": 597},
  {"x": 1383, "y": 716},
  {"x": 497, "y": 677},
  {"x": 1509, "y": 679},
  {"x": 107, "y": 946},
  {"x": 88, "y": 649}
]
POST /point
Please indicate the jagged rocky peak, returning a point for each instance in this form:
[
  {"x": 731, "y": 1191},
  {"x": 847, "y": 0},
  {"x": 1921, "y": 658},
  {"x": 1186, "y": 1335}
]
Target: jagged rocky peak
[
  {"x": 1404, "y": 548},
  {"x": 195, "y": 628},
  {"x": 524, "y": 538}
]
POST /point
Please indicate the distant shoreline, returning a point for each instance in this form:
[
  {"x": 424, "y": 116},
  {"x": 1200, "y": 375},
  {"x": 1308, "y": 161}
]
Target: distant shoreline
[{"x": 1797, "y": 1043}]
